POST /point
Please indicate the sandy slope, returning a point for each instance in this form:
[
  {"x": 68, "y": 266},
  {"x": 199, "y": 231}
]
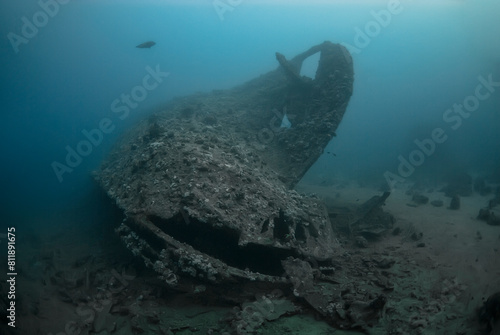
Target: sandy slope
[{"x": 459, "y": 265}]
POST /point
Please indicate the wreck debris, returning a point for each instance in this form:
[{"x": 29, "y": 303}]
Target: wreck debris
[
  {"x": 455, "y": 202},
  {"x": 368, "y": 222},
  {"x": 491, "y": 213},
  {"x": 489, "y": 314}
]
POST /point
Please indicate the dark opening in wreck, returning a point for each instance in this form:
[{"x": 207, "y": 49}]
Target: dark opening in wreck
[{"x": 223, "y": 243}]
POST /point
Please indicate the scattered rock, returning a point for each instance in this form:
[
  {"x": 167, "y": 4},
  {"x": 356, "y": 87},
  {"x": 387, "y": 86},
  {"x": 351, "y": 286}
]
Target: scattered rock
[
  {"x": 420, "y": 199},
  {"x": 493, "y": 202},
  {"x": 361, "y": 241},
  {"x": 396, "y": 231},
  {"x": 455, "y": 202},
  {"x": 481, "y": 187},
  {"x": 479, "y": 236},
  {"x": 491, "y": 217},
  {"x": 416, "y": 236},
  {"x": 489, "y": 313},
  {"x": 384, "y": 263},
  {"x": 484, "y": 214},
  {"x": 437, "y": 203},
  {"x": 494, "y": 218},
  {"x": 459, "y": 184}
]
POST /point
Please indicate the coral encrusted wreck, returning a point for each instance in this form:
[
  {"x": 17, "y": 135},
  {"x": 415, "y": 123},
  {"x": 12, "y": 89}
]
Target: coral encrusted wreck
[{"x": 207, "y": 184}]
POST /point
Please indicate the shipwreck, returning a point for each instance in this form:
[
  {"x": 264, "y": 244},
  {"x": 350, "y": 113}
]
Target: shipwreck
[{"x": 207, "y": 189}]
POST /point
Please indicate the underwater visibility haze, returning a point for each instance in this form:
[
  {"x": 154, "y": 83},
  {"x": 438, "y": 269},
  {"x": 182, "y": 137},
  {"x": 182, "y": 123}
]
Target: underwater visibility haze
[{"x": 423, "y": 120}]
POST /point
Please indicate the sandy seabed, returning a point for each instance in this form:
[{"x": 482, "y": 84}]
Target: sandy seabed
[
  {"x": 454, "y": 266},
  {"x": 440, "y": 278}
]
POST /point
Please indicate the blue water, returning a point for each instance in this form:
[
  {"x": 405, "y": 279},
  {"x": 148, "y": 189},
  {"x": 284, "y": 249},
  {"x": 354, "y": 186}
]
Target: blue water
[{"x": 64, "y": 80}]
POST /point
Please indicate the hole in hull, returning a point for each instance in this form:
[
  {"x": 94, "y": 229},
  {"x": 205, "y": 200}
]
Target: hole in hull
[
  {"x": 222, "y": 244},
  {"x": 310, "y": 66}
]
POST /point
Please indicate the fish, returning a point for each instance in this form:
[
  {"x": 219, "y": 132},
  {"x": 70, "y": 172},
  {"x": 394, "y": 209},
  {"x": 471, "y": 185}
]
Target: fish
[{"x": 147, "y": 44}]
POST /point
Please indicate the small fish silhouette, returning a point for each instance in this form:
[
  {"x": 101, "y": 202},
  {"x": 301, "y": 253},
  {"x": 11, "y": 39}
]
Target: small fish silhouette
[{"x": 147, "y": 44}]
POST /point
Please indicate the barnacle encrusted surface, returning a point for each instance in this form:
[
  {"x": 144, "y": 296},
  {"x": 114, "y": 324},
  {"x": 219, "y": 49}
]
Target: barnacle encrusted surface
[{"x": 207, "y": 184}]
